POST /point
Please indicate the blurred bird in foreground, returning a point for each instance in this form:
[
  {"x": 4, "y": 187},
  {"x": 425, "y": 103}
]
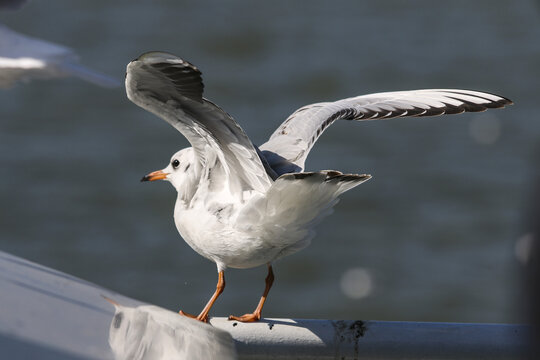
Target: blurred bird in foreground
[
  {"x": 23, "y": 58},
  {"x": 243, "y": 206}
]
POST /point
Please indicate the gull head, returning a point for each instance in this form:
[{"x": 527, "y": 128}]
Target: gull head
[{"x": 177, "y": 172}]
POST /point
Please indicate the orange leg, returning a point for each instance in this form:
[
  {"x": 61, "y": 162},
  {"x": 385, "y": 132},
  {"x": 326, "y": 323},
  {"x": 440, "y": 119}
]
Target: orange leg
[
  {"x": 256, "y": 315},
  {"x": 203, "y": 316}
]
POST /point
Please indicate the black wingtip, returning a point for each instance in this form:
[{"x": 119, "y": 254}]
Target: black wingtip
[{"x": 172, "y": 71}]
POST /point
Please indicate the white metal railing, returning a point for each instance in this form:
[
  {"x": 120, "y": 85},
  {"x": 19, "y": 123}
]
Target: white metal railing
[
  {"x": 49, "y": 315},
  {"x": 347, "y": 339}
]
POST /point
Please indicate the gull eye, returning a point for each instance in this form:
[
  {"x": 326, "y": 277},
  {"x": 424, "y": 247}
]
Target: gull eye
[{"x": 175, "y": 163}]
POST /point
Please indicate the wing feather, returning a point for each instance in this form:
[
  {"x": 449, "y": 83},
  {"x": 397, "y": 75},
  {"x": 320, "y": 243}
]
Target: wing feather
[
  {"x": 172, "y": 89},
  {"x": 289, "y": 146}
]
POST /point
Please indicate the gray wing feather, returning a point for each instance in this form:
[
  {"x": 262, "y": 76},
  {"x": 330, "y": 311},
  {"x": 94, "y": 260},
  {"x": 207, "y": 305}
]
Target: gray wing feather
[
  {"x": 289, "y": 146},
  {"x": 172, "y": 89}
]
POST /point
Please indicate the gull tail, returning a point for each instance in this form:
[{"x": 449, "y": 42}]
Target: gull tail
[
  {"x": 303, "y": 199},
  {"x": 341, "y": 182}
]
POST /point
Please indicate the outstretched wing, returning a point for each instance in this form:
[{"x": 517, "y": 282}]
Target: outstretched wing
[
  {"x": 289, "y": 146},
  {"x": 172, "y": 89}
]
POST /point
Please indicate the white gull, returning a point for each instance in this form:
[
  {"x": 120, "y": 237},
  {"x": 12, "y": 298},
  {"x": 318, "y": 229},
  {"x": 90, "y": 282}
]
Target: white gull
[{"x": 243, "y": 206}]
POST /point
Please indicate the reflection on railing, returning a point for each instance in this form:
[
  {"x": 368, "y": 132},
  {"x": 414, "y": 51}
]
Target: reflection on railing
[{"x": 151, "y": 333}]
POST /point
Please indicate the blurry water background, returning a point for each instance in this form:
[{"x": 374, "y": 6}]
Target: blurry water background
[{"x": 431, "y": 237}]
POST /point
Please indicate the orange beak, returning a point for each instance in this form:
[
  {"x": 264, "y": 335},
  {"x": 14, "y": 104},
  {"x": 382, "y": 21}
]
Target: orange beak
[{"x": 156, "y": 175}]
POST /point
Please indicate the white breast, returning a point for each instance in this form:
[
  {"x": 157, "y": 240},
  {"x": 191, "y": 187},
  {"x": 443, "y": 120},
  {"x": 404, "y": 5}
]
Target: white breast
[{"x": 211, "y": 233}]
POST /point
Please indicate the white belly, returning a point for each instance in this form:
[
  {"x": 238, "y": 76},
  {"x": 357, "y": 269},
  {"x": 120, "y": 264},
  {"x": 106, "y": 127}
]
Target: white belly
[{"x": 219, "y": 241}]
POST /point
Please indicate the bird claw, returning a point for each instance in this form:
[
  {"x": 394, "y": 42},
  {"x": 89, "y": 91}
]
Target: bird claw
[
  {"x": 246, "y": 317},
  {"x": 200, "y": 318}
]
